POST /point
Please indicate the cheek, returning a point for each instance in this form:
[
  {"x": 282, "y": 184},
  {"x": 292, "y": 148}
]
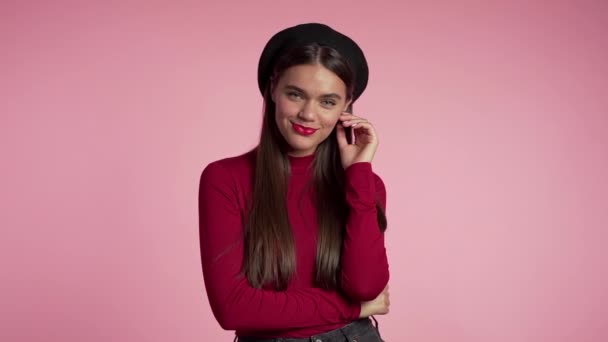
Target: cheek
[
  {"x": 286, "y": 108},
  {"x": 330, "y": 121}
]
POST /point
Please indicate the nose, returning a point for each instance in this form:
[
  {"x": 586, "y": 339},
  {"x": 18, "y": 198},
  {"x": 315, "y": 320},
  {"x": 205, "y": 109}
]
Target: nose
[{"x": 307, "y": 112}]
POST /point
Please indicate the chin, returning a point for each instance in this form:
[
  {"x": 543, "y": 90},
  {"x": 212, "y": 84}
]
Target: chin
[
  {"x": 297, "y": 143},
  {"x": 299, "y": 147}
]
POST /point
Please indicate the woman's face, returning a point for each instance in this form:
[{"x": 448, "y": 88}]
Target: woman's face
[{"x": 309, "y": 101}]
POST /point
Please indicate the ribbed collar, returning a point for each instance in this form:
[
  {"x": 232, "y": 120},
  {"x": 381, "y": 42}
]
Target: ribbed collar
[{"x": 301, "y": 164}]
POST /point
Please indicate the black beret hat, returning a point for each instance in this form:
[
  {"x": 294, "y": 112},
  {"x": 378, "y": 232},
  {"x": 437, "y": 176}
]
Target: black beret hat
[{"x": 322, "y": 34}]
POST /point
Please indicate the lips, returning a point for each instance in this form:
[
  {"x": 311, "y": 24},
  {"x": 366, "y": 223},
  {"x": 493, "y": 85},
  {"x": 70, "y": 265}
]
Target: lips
[{"x": 302, "y": 129}]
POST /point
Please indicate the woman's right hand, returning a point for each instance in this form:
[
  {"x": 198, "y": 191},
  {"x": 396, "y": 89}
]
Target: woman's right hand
[{"x": 378, "y": 306}]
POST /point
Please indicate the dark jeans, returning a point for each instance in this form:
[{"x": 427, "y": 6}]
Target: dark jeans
[{"x": 361, "y": 330}]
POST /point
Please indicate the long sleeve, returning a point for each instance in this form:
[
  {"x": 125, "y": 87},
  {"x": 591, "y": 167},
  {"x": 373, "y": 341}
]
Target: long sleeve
[
  {"x": 235, "y": 303},
  {"x": 365, "y": 270}
]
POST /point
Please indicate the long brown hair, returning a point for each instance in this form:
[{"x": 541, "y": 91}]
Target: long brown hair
[{"x": 269, "y": 245}]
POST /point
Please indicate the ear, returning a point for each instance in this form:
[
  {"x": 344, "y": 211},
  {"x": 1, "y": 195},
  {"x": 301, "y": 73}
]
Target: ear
[{"x": 347, "y": 104}]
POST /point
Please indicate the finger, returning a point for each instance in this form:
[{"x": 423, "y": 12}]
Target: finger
[
  {"x": 341, "y": 136},
  {"x": 364, "y": 128},
  {"x": 349, "y": 116},
  {"x": 365, "y": 133},
  {"x": 353, "y": 122}
]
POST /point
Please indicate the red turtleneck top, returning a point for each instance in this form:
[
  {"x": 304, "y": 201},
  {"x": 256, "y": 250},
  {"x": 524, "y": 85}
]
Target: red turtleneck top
[{"x": 302, "y": 310}]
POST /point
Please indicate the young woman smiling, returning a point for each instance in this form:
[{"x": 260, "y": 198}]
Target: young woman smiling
[{"x": 292, "y": 232}]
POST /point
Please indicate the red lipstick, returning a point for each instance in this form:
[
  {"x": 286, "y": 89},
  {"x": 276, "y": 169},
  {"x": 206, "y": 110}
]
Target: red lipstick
[{"x": 302, "y": 129}]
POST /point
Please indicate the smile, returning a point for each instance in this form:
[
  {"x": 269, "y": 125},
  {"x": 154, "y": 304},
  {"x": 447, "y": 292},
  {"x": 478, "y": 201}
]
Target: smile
[{"x": 303, "y": 130}]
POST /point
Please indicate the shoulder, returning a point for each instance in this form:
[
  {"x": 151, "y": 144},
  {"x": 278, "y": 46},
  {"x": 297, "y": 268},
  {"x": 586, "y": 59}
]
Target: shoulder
[{"x": 229, "y": 169}]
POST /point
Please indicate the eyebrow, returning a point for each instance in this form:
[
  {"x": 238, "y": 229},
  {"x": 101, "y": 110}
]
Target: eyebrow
[{"x": 290, "y": 86}]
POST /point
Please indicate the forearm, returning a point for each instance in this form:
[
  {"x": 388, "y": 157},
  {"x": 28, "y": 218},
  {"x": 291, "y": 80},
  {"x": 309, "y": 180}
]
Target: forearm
[
  {"x": 238, "y": 306},
  {"x": 365, "y": 270}
]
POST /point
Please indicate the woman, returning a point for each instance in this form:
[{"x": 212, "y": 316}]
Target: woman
[{"x": 292, "y": 232}]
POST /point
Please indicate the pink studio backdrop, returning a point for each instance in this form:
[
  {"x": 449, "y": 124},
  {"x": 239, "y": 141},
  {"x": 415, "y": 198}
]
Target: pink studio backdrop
[{"x": 493, "y": 121}]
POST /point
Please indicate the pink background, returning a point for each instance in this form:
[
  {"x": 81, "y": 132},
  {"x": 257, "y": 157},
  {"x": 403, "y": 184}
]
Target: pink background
[{"x": 493, "y": 122}]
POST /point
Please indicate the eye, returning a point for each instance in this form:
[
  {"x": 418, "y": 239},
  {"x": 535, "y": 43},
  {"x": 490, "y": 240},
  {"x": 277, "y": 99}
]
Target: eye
[
  {"x": 328, "y": 103},
  {"x": 294, "y": 95}
]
